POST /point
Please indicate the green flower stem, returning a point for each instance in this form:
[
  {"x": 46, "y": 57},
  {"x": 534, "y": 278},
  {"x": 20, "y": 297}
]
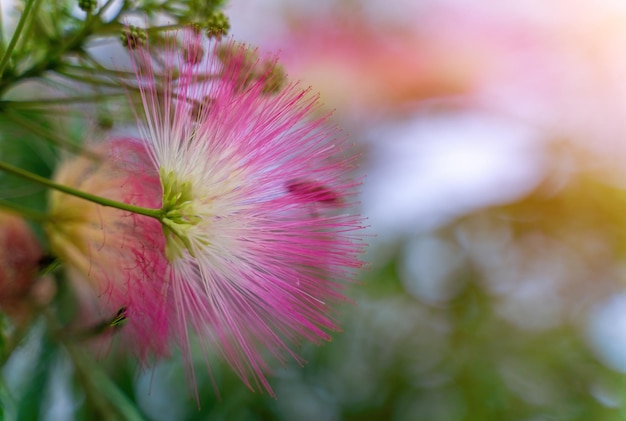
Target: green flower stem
[
  {"x": 30, "y": 5},
  {"x": 164, "y": 28},
  {"x": 98, "y": 69},
  {"x": 92, "y": 66},
  {"x": 47, "y": 102},
  {"x": 89, "y": 26},
  {"x": 23, "y": 121},
  {"x": 100, "y": 389},
  {"x": 28, "y": 29},
  {"x": 108, "y": 4},
  {"x": 52, "y": 58},
  {"x": 111, "y": 403},
  {"x": 14, "y": 339},
  {"x": 152, "y": 213},
  {"x": 7, "y": 401},
  {"x": 100, "y": 82},
  {"x": 27, "y": 213}
]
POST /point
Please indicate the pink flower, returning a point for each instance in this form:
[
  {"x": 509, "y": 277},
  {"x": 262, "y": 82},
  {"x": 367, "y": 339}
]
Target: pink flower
[
  {"x": 261, "y": 235},
  {"x": 258, "y": 236},
  {"x": 114, "y": 258}
]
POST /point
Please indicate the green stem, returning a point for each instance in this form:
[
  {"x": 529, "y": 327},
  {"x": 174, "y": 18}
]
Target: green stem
[
  {"x": 99, "y": 70},
  {"x": 27, "y": 213},
  {"x": 28, "y": 28},
  {"x": 92, "y": 22},
  {"x": 111, "y": 403},
  {"x": 30, "y": 4},
  {"x": 152, "y": 213},
  {"x": 7, "y": 401},
  {"x": 50, "y": 268},
  {"x": 108, "y": 4},
  {"x": 100, "y": 82},
  {"x": 50, "y": 61},
  {"x": 13, "y": 341},
  {"x": 164, "y": 28},
  {"x": 47, "y": 102},
  {"x": 27, "y": 124}
]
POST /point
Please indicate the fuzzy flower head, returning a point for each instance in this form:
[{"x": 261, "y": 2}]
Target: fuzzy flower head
[
  {"x": 258, "y": 196},
  {"x": 114, "y": 258}
]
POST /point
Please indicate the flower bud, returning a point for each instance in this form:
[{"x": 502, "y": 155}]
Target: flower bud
[
  {"x": 133, "y": 37},
  {"x": 273, "y": 77},
  {"x": 217, "y": 25},
  {"x": 20, "y": 253}
]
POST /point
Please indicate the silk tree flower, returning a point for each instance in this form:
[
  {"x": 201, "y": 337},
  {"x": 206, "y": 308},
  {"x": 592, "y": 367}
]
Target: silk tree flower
[
  {"x": 260, "y": 231},
  {"x": 257, "y": 237},
  {"x": 114, "y": 258}
]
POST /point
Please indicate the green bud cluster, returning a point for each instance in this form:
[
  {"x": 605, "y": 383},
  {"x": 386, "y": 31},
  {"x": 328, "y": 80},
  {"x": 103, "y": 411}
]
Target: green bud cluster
[
  {"x": 87, "y": 5},
  {"x": 193, "y": 55},
  {"x": 217, "y": 25},
  {"x": 133, "y": 37},
  {"x": 273, "y": 77},
  {"x": 105, "y": 121},
  {"x": 268, "y": 72}
]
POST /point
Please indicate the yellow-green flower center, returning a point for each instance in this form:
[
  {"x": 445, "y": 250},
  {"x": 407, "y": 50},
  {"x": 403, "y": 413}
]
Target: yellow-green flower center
[{"x": 179, "y": 215}]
